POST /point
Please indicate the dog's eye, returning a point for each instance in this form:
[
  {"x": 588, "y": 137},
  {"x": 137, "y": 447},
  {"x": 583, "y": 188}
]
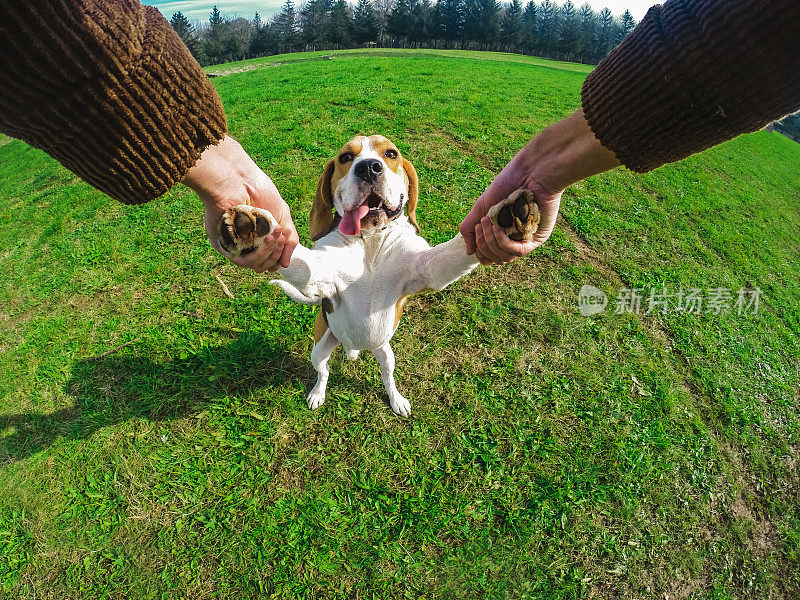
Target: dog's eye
[
  {"x": 345, "y": 157},
  {"x": 390, "y": 153}
]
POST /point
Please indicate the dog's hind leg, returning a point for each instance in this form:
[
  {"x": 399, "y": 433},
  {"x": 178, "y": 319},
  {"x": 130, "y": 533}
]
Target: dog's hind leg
[
  {"x": 319, "y": 358},
  {"x": 385, "y": 356}
]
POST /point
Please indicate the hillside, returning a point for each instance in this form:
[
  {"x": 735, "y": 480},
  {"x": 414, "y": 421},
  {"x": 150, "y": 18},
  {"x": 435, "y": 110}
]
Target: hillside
[{"x": 154, "y": 437}]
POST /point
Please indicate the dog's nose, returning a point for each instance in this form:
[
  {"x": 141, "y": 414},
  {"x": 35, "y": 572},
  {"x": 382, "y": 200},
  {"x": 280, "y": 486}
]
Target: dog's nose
[{"x": 368, "y": 169}]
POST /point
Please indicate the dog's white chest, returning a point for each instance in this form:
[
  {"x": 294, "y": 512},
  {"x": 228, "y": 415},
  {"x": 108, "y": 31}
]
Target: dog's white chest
[{"x": 367, "y": 288}]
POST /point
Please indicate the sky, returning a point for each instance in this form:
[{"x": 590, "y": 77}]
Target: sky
[{"x": 200, "y": 9}]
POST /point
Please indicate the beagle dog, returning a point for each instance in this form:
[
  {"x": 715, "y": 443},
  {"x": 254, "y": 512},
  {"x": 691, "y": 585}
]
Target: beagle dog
[{"x": 368, "y": 257}]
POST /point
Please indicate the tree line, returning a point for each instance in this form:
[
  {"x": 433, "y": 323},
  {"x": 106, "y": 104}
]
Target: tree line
[
  {"x": 788, "y": 126},
  {"x": 562, "y": 32}
]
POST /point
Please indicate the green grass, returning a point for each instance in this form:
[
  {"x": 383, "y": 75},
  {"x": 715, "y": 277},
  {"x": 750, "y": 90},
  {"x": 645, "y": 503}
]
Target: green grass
[
  {"x": 550, "y": 455},
  {"x": 286, "y": 59}
]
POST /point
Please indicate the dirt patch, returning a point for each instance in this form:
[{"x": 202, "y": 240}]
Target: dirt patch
[
  {"x": 10, "y": 323},
  {"x": 763, "y": 536},
  {"x": 683, "y": 589},
  {"x": 289, "y": 465},
  {"x": 257, "y": 67},
  {"x": 244, "y": 69},
  {"x": 791, "y": 461},
  {"x": 285, "y": 478},
  {"x": 465, "y": 148}
]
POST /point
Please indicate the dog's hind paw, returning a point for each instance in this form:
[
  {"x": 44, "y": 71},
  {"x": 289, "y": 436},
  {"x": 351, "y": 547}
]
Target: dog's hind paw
[
  {"x": 243, "y": 228},
  {"x": 400, "y": 405},
  {"x": 518, "y": 215},
  {"x": 316, "y": 398}
]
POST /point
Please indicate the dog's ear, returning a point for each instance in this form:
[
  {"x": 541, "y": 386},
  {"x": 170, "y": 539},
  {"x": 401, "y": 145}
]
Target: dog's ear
[
  {"x": 413, "y": 192},
  {"x": 320, "y": 221}
]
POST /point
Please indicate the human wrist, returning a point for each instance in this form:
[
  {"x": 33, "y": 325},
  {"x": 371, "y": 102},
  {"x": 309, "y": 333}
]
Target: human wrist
[
  {"x": 222, "y": 173},
  {"x": 562, "y": 154}
]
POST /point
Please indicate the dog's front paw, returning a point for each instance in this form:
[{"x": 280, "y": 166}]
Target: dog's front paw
[
  {"x": 243, "y": 229},
  {"x": 518, "y": 215},
  {"x": 400, "y": 405}
]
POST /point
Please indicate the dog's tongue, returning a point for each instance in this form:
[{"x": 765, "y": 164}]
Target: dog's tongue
[{"x": 351, "y": 221}]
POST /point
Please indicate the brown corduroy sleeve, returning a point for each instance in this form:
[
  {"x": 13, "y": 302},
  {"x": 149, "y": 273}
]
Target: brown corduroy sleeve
[
  {"x": 693, "y": 74},
  {"x": 108, "y": 89}
]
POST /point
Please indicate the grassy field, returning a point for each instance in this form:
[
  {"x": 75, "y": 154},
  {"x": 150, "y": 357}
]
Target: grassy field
[{"x": 550, "y": 455}]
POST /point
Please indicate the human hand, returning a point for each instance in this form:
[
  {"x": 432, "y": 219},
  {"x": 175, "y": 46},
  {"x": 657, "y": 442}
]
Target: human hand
[
  {"x": 488, "y": 241},
  {"x": 560, "y": 155},
  {"x": 225, "y": 176}
]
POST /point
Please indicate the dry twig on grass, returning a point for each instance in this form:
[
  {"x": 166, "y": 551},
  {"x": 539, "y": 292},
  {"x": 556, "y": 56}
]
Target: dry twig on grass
[
  {"x": 224, "y": 287},
  {"x": 107, "y": 352}
]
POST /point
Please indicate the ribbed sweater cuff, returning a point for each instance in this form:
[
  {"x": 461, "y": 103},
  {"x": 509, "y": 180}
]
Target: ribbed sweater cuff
[
  {"x": 157, "y": 121},
  {"x": 692, "y": 75},
  {"x": 137, "y": 123}
]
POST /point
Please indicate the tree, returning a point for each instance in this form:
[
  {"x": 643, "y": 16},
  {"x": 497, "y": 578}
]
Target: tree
[
  {"x": 214, "y": 42},
  {"x": 339, "y": 29},
  {"x": 383, "y": 9},
  {"x": 286, "y": 27},
  {"x": 513, "y": 28},
  {"x": 490, "y": 12},
  {"x": 570, "y": 31},
  {"x": 529, "y": 22},
  {"x": 626, "y": 25},
  {"x": 588, "y": 33},
  {"x": 215, "y": 21},
  {"x": 366, "y": 26},
  {"x": 237, "y": 34},
  {"x": 423, "y": 27},
  {"x": 186, "y": 32},
  {"x": 401, "y": 20},
  {"x": 605, "y": 34},
  {"x": 472, "y": 20},
  {"x": 181, "y": 25},
  {"x": 482, "y": 22},
  {"x": 451, "y": 16},
  {"x": 315, "y": 23},
  {"x": 261, "y": 41},
  {"x": 547, "y": 26}
]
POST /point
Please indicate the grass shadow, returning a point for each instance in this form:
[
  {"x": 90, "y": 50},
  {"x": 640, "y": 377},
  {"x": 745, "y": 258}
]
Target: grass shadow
[{"x": 114, "y": 389}]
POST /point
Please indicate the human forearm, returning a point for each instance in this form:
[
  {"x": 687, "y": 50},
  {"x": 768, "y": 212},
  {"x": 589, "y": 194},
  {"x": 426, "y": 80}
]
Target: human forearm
[
  {"x": 107, "y": 88},
  {"x": 557, "y": 157},
  {"x": 222, "y": 174},
  {"x": 693, "y": 74}
]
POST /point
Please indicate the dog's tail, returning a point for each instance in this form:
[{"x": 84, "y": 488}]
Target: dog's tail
[{"x": 294, "y": 293}]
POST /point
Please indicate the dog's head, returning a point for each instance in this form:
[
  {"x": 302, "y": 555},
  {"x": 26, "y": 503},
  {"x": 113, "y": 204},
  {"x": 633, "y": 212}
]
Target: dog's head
[{"x": 364, "y": 187}]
